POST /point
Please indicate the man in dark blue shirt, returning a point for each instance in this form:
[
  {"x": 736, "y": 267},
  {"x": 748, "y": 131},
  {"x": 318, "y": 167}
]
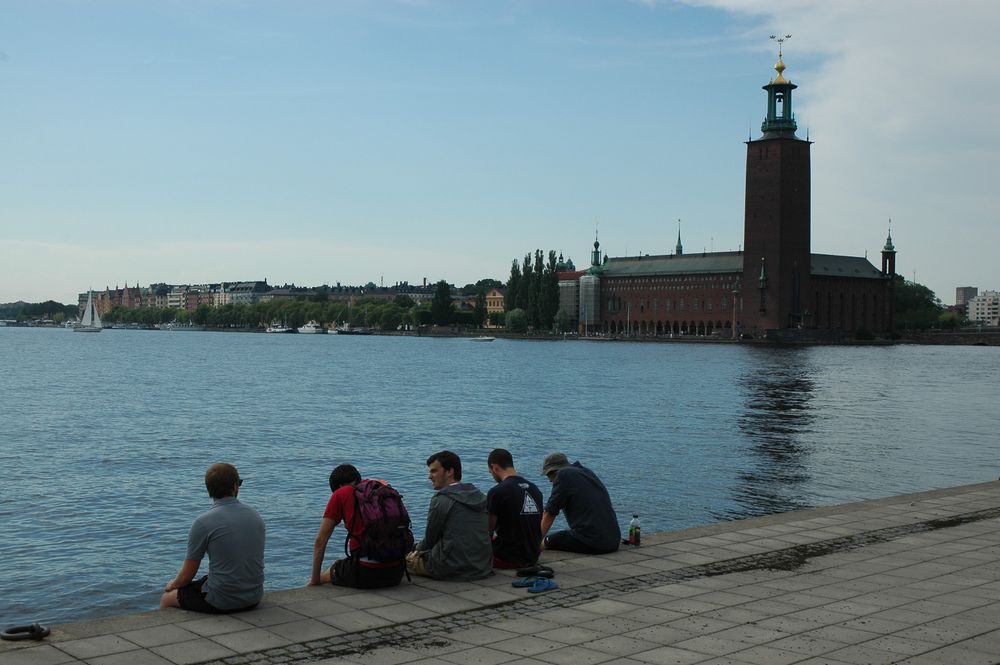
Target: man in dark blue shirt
[
  {"x": 515, "y": 508},
  {"x": 593, "y": 524}
]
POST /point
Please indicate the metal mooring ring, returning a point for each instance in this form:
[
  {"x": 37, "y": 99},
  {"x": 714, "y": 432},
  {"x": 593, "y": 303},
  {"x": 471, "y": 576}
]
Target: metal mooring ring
[{"x": 35, "y": 631}]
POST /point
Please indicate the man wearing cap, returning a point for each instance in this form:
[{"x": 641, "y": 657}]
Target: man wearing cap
[
  {"x": 232, "y": 534},
  {"x": 593, "y": 524}
]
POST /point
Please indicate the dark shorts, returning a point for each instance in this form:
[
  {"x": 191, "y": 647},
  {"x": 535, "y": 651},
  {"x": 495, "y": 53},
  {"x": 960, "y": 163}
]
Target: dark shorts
[
  {"x": 192, "y": 598},
  {"x": 566, "y": 541},
  {"x": 509, "y": 565},
  {"x": 350, "y": 572}
]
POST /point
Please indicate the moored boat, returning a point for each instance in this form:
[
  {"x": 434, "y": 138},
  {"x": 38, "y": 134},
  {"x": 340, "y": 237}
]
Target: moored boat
[{"x": 312, "y": 328}]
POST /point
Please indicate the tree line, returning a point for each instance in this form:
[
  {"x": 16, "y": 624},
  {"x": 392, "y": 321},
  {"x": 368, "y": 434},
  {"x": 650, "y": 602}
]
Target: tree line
[
  {"x": 50, "y": 309},
  {"x": 363, "y": 313},
  {"x": 532, "y": 298}
]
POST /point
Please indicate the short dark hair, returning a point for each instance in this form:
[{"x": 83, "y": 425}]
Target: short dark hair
[
  {"x": 220, "y": 478},
  {"x": 447, "y": 460},
  {"x": 345, "y": 474},
  {"x": 501, "y": 458}
]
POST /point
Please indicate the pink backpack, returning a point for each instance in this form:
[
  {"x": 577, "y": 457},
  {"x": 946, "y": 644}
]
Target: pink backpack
[{"x": 387, "y": 535}]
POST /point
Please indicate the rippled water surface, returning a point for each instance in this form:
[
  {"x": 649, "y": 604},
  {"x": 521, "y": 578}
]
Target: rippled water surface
[{"x": 105, "y": 438}]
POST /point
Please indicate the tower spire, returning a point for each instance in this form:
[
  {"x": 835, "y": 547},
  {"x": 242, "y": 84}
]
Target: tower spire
[
  {"x": 888, "y": 241},
  {"x": 680, "y": 247},
  {"x": 780, "y": 121},
  {"x": 889, "y": 254}
]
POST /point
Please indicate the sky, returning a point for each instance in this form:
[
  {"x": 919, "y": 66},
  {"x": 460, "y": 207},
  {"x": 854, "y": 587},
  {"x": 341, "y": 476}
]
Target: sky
[{"x": 312, "y": 142}]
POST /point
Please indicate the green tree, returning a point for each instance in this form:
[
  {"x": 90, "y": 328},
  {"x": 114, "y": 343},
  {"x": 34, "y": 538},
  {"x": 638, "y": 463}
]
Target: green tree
[
  {"x": 200, "y": 315},
  {"x": 441, "y": 306},
  {"x": 513, "y": 287},
  {"x": 916, "y": 305},
  {"x": 479, "y": 313},
  {"x": 951, "y": 320},
  {"x": 548, "y": 297},
  {"x": 525, "y": 290},
  {"x": 390, "y": 317},
  {"x": 517, "y": 321},
  {"x": 484, "y": 284},
  {"x": 563, "y": 321},
  {"x": 404, "y": 301}
]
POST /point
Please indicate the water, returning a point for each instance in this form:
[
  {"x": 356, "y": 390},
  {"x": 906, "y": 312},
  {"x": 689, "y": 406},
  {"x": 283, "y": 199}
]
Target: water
[{"x": 105, "y": 438}]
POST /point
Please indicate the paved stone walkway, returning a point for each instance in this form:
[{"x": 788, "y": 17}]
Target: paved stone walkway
[{"x": 912, "y": 579}]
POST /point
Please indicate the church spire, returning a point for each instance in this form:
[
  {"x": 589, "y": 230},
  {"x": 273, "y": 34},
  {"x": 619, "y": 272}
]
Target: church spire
[{"x": 680, "y": 248}]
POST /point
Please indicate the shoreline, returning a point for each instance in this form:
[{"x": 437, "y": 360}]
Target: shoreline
[
  {"x": 793, "y": 338},
  {"x": 879, "y": 576}
]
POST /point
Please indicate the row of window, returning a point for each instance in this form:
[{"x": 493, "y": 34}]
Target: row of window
[
  {"x": 701, "y": 280},
  {"x": 616, "y": 304}
]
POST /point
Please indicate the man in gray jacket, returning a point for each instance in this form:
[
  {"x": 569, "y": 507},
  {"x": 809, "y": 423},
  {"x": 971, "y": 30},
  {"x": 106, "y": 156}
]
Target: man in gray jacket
[{"x": 456, "y": 545}]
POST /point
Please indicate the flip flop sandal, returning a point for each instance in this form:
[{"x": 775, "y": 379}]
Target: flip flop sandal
[
  {"x": 542, "y": 584},
  {"x": 524, "y": 582}
]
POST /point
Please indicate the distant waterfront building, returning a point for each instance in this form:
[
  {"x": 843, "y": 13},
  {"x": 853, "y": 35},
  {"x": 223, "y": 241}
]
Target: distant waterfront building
[
  {"x": 494, "y": 301},
  {"x": 963, "y": 294},
  {"x": 774, "y": 284},
  {"x": 247, "y": 293},
  {"x": 287, "y": 293},
  {"x": 984, "y": 309},
  {"x": 569, "y": 291},
  {"x": 220, "y": 297}
]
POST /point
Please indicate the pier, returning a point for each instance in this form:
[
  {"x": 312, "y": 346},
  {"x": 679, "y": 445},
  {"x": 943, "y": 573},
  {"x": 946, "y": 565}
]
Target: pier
[{"x": 909, "y": 579}]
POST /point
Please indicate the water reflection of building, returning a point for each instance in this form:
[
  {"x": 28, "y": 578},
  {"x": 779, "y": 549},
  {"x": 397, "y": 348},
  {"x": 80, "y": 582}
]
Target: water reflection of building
[
  {"x": 774, "y": 284},
  {"x": 775, "y": 417}
]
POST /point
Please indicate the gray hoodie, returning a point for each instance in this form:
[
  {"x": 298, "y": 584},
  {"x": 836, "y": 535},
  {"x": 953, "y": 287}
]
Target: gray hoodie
[{"x": 457, "y": 538}]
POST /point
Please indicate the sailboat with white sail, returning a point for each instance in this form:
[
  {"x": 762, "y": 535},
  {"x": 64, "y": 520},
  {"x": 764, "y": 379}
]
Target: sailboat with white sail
[{"x": 91, "y": 320}]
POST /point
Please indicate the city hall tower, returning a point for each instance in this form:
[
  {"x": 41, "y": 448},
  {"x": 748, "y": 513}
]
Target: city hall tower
[{"x": 776, "y": 265}]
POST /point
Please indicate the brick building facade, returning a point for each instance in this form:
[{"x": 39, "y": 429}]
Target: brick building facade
[{"x": 775, "y": 283}]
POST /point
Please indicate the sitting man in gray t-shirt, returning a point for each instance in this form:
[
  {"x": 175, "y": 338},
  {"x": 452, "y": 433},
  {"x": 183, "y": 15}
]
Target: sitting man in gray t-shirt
[{"x": 232, "y": 534}]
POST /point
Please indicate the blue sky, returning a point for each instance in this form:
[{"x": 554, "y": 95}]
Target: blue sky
[{"x": 314, "y": 142}]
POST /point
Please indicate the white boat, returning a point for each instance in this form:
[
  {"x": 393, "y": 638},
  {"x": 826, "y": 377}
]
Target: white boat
[
  {"x": 313, "y": 328},
  {"x": 91, "y": 320},
  {"x": 276, "y": 327},
  {"x": 482, "y": 338},
  {"x": 183, "y": 327}
]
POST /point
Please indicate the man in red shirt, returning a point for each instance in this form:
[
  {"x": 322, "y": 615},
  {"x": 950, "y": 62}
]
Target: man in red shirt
[{"x": 352, "y": 571}]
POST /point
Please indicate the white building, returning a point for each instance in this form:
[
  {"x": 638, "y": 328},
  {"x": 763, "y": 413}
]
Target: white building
[{"x": 984, "y": 309}]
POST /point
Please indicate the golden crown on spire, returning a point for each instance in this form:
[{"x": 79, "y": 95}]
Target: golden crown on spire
[{"x": 780, "y": 66}]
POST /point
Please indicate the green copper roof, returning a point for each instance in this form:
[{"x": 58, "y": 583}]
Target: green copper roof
[
  {"x": 670, "y": 264},
  {"x": 888, "y": 244},
  {"x": 823, "y": 265}
]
